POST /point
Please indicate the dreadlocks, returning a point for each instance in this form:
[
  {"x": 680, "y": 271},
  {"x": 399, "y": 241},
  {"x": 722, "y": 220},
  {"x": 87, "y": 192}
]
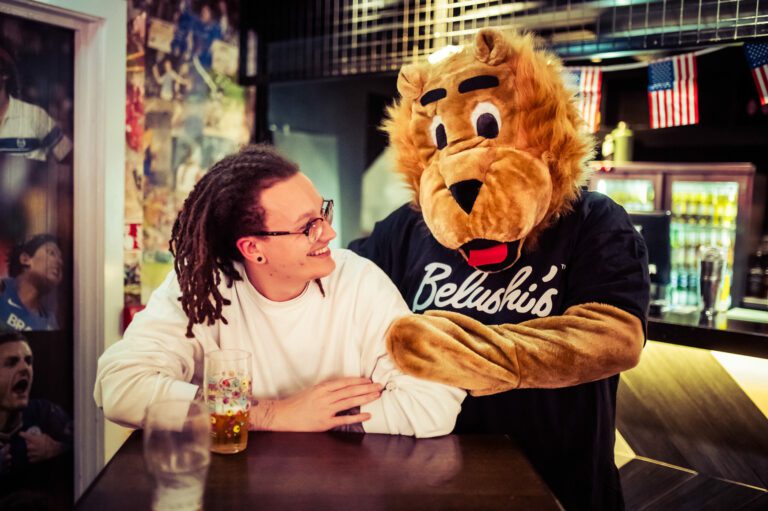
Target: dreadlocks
[{"x": 222, "y": 207}]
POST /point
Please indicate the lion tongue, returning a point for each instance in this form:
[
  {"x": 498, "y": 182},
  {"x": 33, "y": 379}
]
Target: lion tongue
[{"x": 493, "y": 255}]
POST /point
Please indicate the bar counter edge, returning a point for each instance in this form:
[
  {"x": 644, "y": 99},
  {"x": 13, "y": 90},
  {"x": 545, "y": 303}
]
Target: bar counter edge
[{"x": 730, "y": 336}]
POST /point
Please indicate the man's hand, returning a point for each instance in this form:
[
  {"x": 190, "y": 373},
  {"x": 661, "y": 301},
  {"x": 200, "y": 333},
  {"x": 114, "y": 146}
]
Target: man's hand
[
  {"x": 40, "y": 447},
  {"x": 316, "y": 408}
]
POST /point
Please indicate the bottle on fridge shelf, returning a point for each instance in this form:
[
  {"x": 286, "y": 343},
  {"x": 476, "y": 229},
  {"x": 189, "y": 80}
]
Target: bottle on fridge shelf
[
  {"x": 706, "y": 210},
  {"x": 672, "y": 287},
  {"x": 729, "y": 210},
  {"x": 716, "y": 213},
  {"x": 682, "y": 278},
  {"x": 684, "y": 210},
  {"x": 682, "y": 264},
  {"x": 677, "y": 206},
  {"x": 705, "y": 235},
  {"x": 722, "y": 208},
  {"x": 714, "y": 236},
  {"x": 692, "y": 263},
  {"x": 694, "y": 207}
]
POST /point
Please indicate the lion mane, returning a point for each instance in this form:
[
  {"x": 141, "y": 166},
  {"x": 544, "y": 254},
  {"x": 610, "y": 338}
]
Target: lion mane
[{"x": 491, "y": 143}]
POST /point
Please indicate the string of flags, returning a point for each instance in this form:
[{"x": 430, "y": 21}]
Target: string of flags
[
  {"x": 590, "y": 82},
  {"x": 673, "y": 95},
  {"x": 757, "y": 56}
]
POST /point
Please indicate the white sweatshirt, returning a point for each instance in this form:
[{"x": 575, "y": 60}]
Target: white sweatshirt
[{"x": 295, "y": 345}]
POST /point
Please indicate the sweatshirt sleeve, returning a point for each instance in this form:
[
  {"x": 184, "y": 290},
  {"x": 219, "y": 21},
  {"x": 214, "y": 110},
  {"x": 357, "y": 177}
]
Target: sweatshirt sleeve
[
  {"x": 408, "y": 405},
  {"x": 153, "y": 361}
]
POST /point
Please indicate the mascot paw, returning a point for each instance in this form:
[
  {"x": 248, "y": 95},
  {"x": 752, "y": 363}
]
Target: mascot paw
[{"x": 439, "y": 347}]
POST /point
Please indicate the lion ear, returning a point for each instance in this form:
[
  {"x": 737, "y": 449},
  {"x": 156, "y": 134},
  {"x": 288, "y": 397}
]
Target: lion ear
[
  {"x": 491, "y": 47},
  {"x": 410, "y": 81}
]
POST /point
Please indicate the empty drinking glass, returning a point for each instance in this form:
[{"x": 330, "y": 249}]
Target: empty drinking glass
[{"x": 177, "y": 438}]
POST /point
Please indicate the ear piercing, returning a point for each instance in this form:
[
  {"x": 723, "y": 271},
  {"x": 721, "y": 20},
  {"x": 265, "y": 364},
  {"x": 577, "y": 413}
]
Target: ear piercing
[{"x": 259, "y": 259}]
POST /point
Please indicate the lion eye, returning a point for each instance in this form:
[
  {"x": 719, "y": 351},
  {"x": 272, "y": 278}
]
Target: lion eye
[
  {"x": 486, "y": 120},
  {"x": 437, "y": 130}
]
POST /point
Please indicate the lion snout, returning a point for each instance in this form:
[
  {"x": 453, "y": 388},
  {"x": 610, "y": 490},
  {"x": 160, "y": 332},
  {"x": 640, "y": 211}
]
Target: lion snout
[{"x": 465, "y": 193}]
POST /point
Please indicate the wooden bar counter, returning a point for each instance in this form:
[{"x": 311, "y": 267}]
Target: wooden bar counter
[
  {"x": 723, "y": 333},
  {"x": 338, "y": 471}
]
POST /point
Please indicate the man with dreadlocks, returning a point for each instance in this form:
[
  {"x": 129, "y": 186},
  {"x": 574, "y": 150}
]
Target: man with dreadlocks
[{"x": 253, "y": 271}]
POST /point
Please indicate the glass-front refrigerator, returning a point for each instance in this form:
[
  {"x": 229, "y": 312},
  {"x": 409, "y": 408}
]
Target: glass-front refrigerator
[
  {"x": 711, "y": 205},
  {"x": 636, "y": 194}
]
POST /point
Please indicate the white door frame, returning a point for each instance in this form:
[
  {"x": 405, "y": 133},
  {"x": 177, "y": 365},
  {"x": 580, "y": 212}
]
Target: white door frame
[{"x": 99, "y": 166}]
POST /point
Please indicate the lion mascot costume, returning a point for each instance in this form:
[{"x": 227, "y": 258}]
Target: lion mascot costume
[{"x": 527, "y": 291}]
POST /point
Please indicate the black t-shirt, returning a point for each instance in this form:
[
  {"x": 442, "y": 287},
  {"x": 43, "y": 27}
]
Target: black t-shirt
[
  {"x": 42, "y": 485},
  {"x": 592, "y": 254}
]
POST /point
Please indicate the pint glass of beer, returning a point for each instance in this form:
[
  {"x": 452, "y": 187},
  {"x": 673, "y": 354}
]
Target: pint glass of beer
[{"x": 228, "y": 395}]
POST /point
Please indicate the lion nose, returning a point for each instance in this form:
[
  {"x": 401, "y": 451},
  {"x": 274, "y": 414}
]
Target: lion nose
[{"x": 465, "y": 193}]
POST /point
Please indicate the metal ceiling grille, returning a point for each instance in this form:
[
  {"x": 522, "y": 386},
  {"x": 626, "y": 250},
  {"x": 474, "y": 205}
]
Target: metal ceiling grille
[{"x": 347, "y": 37}]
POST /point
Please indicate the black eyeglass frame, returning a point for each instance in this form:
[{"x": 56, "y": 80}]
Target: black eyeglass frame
[{"x": 326, "y": 212}]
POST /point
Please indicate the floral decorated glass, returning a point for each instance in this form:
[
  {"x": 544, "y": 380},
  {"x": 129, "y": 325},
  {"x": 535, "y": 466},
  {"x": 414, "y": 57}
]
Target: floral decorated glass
[{"x": 228, "y": 395}]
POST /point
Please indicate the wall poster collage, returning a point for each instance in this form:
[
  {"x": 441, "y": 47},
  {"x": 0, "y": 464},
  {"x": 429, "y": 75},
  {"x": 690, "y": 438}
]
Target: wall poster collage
[
  {"x": 36, "y": 232},
  {"x": 184, "y": 112}
]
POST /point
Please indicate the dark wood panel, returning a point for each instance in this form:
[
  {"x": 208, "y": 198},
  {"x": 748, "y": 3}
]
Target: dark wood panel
[
  {"x": 704, "y": 493},
  {"x": 644, "y": 482},
  {"x": 642, "y": 426},
  {"x": 758, "y": 504},
  {"x": 681, "y": 407}
]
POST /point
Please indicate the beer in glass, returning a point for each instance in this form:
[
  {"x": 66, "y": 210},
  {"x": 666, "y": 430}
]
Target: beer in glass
[{"x": 228, "y": 395}]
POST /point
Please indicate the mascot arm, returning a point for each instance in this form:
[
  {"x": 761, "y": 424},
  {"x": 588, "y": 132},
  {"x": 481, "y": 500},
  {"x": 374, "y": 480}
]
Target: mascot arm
[{"x": 588, "y": 342}]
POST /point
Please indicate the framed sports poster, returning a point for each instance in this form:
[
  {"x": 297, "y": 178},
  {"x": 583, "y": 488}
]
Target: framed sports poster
[{"x": 36, "y": 240}]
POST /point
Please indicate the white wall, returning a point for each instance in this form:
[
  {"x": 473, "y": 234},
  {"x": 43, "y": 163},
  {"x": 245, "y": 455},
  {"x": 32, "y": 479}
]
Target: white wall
[
  {"x": 99, "y": 151},
  {"x": 339, "y": 109},
  {"x": 316, "y": 156}
]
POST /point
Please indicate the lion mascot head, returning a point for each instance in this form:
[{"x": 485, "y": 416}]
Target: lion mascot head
[{"x": 491, "y": 143}]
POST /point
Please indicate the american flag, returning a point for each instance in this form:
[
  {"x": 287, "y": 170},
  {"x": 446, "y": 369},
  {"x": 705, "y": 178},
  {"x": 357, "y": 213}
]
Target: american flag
[
  {"x": 757, "y": 55},
  {"x": 590, "y": 81},
  {"x": 673, "y": 95}
]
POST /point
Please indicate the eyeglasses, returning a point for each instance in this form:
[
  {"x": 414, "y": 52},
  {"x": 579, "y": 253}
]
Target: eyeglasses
[{"x": 314, "y": 228}]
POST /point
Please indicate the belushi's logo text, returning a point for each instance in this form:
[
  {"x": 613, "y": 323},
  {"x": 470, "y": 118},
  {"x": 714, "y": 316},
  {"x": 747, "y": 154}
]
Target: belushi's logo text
[{"x": 519, "y": 295}]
